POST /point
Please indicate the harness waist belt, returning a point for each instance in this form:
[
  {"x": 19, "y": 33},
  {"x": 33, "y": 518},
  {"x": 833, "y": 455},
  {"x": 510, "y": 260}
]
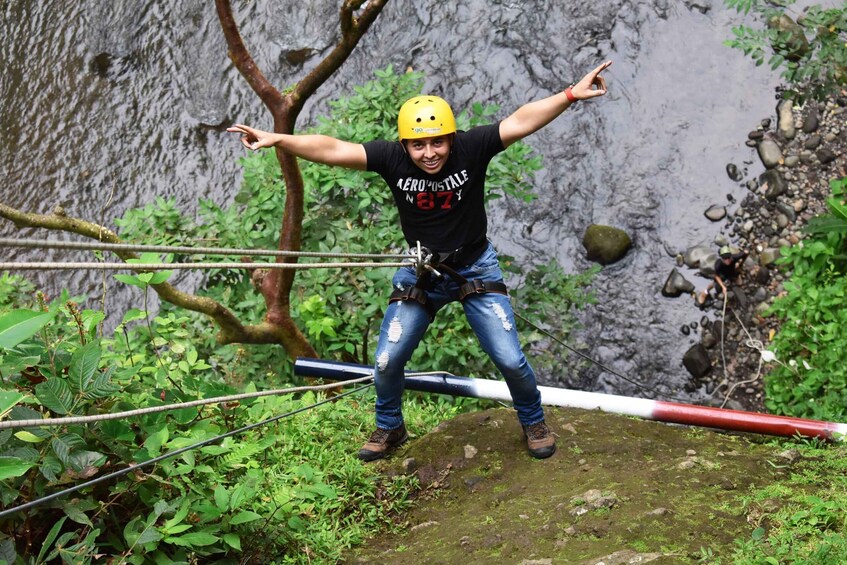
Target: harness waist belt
[{"x": 466, "y": 254}]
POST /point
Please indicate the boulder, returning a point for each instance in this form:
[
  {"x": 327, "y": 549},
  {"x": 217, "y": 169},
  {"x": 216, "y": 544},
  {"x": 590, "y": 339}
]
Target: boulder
[
  {"x": 776, "y": 184},
  {"x": 694, "y": 256},
  {"x": 785, "y": 119},
  {"x": 696, "y": 361},
  {"x": 715, "y": 212},
  {"x": 770, "y": 153},
  {"x": 676, "y": 285},
  {"x": 606, "y": 244}
]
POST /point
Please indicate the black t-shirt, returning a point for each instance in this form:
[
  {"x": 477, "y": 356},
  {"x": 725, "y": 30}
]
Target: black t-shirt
[
  {"x": 728, "y": 272},
  {"x": 446, "y": 210}
]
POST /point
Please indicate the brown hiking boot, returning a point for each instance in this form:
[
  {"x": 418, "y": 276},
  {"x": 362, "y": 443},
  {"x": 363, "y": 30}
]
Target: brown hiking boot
[
  {"x": 382, "y": 442},
  {"x": 539, "y": 440}
]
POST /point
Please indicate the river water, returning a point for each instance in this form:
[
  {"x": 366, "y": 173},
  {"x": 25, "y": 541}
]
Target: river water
[{"x": 107, "y": 104}]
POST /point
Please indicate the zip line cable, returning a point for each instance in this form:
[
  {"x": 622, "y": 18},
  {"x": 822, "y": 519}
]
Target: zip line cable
[
  {"x": 12, "y": 424},
  {"x": 54, "y": 244},
  {"x": 170, "y": 454},
  {"x": 48, "y": 266}
]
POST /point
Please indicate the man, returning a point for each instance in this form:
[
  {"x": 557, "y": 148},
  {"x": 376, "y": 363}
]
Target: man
[
  {"x": 437, "y": 177},
  {"x": 726, "y": 271}
]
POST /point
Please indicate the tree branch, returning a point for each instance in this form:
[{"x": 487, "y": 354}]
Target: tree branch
[{"x": 231, "y": 329}]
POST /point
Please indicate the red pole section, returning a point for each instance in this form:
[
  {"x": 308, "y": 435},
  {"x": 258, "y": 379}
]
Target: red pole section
[{"x": 738, "y": 420}]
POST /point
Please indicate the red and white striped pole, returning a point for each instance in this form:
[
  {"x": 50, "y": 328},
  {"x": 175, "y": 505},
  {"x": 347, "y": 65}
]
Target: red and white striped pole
[{"x": 672, "y": 412}]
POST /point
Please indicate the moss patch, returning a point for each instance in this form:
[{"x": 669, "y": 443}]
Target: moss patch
[{"x": 618, "y": 488}]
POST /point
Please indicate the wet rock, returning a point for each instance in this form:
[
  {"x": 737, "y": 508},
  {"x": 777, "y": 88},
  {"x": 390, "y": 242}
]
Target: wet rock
[
  {"x": 826, "y": 156},
  {"x": 755, "y": 135},
  {"x": 794, "y": 39},
  {"x": 813, "y": 142},
  {"x": 606, "y": 244},
  {"x": 811, "y": 120},
  {"x": 695, "y": 255},
  {"x": 768, "y": 256},
  {"x": 676, "y": 284},
  {"x": 776, "y": 184},
  {"x": 707, "y": 267},
  {"x": 685, "y": 329},
  {"x": 763, "y": 275},
  {"x": 787, "y": 210},
  {"x": 715, "y": 213},
  {"x": 696, "y": 361},
  {"x": 792, "y": 161},
  {"x": 733, "y": 172},
  {"x": 708, "y": 340},
  {"x": 770, "y": 153},
  {"x": 785, "y": 119}
]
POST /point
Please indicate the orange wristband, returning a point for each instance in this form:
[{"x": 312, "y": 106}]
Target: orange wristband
[{"x": 569, "y": 94}]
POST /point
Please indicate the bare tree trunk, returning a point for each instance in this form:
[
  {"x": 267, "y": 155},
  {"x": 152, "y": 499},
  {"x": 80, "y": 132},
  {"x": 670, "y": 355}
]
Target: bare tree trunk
[{"x": 276, "y": 286}]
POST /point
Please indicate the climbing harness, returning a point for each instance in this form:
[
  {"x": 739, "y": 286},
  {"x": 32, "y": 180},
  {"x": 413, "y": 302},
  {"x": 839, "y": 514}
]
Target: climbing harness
[{"x": 429, "y": 264}]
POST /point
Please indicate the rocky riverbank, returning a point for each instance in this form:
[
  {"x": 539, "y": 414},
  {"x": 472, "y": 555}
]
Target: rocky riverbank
[{"x": 801, "y": 149}]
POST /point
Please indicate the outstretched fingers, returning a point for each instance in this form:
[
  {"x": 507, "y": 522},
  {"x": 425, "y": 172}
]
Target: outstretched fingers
[{"x": 250, "y": 138}]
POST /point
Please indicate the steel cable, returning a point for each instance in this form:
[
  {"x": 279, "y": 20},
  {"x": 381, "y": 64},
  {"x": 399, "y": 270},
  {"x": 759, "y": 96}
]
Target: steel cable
[{"x": 170, "y": 454}]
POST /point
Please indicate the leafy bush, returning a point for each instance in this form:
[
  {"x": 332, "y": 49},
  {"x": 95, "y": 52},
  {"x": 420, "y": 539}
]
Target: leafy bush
[
  {"x": 811, "y": 380},
  {"x": 811, "y": 51},
  {"x": 252, "y": 494}
]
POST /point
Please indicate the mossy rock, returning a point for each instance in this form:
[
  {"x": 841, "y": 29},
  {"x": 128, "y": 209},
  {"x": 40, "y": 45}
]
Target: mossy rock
[{"x": 606, "y": 244}]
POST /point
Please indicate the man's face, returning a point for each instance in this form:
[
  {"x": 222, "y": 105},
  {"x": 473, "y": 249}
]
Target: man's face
[{"x": 429, "y": 153}]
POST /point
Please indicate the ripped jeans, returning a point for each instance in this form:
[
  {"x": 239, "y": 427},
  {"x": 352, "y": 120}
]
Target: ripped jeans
[{"x": 491, "y": 317}]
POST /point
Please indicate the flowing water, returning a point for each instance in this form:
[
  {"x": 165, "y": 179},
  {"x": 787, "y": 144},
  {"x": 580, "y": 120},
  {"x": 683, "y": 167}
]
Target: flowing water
[{"x": 107, "y": 104}]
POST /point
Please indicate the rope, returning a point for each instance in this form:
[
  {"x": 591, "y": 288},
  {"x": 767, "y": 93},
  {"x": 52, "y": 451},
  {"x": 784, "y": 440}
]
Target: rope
[
  {"x": 754, "y": 344},
  {"x": 12, "y": 424},
  {"x": 101, "y": 246},
  {"x": 48, "y": 266},
  {"x": 595, "y": 362},
  {"x": 170, "y": 454}
]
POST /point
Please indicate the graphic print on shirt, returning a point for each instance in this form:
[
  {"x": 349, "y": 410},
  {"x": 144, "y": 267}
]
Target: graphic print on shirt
[{"x": 427, "y": 194}]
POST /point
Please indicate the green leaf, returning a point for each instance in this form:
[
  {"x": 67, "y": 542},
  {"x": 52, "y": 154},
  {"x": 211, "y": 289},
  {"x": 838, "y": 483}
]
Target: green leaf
[
  {"x": 8, "y": 399},
  {"x": 221, "y": 497},
  {"x": 11, "y": 467},
  {"x": 56, "y": 395},
  {"x": 244, "y": 517},
  {"x": 84, "y": 364},
  {"x": 20, "y": 325},
  {"x": 66, "y": 444},
  {"x": 193, "y": 539},
  {"x": 130, "y": 279},
  {"x": 48, "y": 541},
  {"x": 73, "y": 512},
  {"x": 233, "y": 541},
  {"x": 28, "y": 437}
]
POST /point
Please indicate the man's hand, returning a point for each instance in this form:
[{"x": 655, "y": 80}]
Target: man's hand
[
  {"x": 253, "y": 138},
  {"x": 592, "y": 84}
]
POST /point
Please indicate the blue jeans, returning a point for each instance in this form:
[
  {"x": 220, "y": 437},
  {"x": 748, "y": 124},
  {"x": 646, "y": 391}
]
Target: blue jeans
[{"x": 491, "y": 317}]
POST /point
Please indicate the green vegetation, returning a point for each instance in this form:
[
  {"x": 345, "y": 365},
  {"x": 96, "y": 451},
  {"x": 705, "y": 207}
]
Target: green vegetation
[
  {"x": 800, "y": 519},
  {"x": 810, "y": 379},
  {"x": 287, "y": 492},
  {"x": 810, "y": 48}
]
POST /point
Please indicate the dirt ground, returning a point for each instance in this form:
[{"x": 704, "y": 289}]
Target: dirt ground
[{"x": 618, "y": 490}]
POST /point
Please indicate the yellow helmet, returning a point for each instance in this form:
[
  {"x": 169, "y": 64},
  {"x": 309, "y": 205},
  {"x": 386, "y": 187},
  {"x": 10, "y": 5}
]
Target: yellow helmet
[{"x": 425, "y": 116}]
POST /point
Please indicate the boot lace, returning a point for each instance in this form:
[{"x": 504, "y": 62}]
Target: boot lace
[
  {"x": 379, "y": 436},
  {"x": 537, "y": 431}
]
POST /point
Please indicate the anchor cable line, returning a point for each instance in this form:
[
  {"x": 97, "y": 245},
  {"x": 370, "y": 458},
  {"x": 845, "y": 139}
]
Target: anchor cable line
[
  {"x": 174, "y": 453},
  {"x": 102, "y": 246}
]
